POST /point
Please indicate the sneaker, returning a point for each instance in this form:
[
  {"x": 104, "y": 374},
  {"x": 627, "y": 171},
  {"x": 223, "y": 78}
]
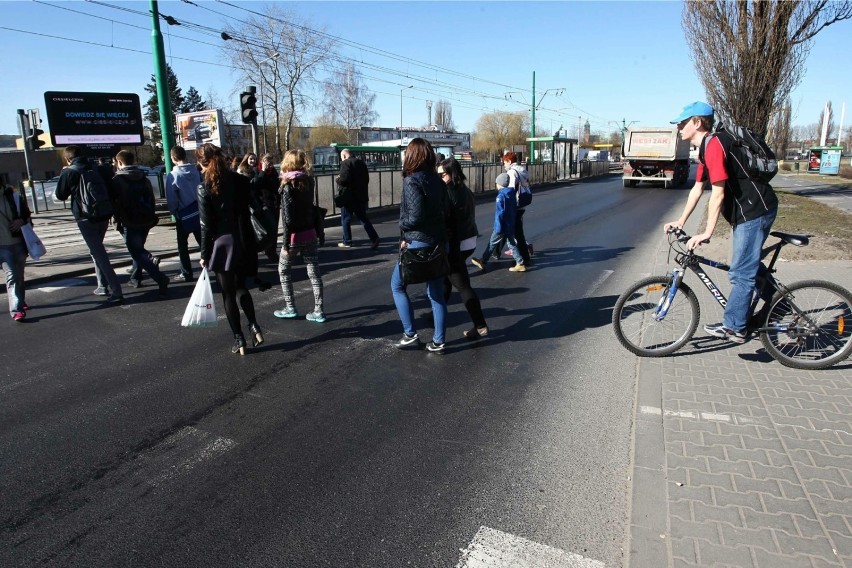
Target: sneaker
[
  {"x": 19, "y": 316},
  {"x": 344, "y": 245},
  {"x": 155, "y": 260},
  {"x": 408, "y": 342},
  {"x": 433, "y": 347},
  {"x": 183, "y": 278},
  {"x": 129, "y": 270},
  {"x": 507, "y": 252},
  {"x": 134, "y": 283},
  {"x": 316, "y": 316},
  {"x": 101, "y": 291},
  {"x": 518, "y": 268},
  {"x": 115, "y": 300},
  {"x": 375, "y": 245},
  {"x": 288, "y": 313},
  {"x": 722, "y": 332},
  {"x": 477, "y": 262}
]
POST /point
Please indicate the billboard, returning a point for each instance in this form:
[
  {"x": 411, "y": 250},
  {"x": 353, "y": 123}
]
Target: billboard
[
  {"x": 94, "y": 119},
  {"x": 830, "y": 163},
  {"x": 197, "y": 128}
]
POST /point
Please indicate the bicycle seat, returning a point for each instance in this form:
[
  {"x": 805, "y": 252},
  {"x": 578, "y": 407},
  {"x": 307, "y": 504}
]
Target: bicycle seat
[{"x": 798, "y": 240}]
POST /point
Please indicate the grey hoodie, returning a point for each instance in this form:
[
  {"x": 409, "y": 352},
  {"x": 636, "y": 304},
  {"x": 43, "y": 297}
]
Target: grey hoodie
[{"x": 182, "y": 187}]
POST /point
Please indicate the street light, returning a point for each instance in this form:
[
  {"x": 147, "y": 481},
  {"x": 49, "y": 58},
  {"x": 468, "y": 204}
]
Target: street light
[
  {"x": 275, "y": 55},
  {"x": 400, "y": 111}
]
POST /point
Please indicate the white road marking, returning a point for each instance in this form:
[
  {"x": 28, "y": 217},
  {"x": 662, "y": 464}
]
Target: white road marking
[
  {"x": 61, "y": 285},
  {"x": 711, "y": 416},
  {"x": 491, "y": 548}
]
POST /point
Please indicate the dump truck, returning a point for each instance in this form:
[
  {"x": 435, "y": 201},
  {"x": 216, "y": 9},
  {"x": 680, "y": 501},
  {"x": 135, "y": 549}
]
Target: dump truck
[{"x": 655, "y": 154}]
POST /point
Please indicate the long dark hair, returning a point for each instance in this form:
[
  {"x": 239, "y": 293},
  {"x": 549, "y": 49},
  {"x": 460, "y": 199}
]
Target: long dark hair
[
  {"x": 419, "y": 156},
  {"x": 453, "y": 167},
  {"x": 211, "y": 159}
]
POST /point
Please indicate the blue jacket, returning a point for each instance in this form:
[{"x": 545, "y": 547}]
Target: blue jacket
[
  {"x": 182, "y": 187},
  {"x": 504, "y": 212},
  {"x": 423, "y": 208}
]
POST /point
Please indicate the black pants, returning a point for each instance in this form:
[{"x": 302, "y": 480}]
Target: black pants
[
  {"x": 520, "y": 239},
  {"x": 234, "y": 290},
  {"x": 459, "y": 278}
]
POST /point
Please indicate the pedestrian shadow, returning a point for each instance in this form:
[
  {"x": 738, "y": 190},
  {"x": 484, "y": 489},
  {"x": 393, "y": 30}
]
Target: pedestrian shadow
[{"x": 548, "y": 257}]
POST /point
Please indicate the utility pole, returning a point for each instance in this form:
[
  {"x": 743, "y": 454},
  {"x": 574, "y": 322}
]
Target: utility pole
[
  {"x": 167, "y": 128},
  {"x": 24, "y": 126},
  {"x": 532, "y": 123}
]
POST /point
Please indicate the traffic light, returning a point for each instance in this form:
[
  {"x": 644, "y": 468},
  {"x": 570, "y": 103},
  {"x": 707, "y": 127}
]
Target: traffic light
[
  {"x": 33, "y": 138},
  {"x": 248, "y": 104}
]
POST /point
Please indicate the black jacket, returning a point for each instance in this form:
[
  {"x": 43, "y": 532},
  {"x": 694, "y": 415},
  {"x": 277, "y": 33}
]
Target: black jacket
[
  {"x": 297, "y": 208},
  {"x": 265, "y": 189},
  {"x": 355, "y": 177},
  {"x": 69, "y": 183},
  {"x": 129, "y": 211},
  {"x": 23, "y": 212},
  {"x": 461, "y": 224},
  {"x": 423, "y": 208},
  {"x": 227, "y": 213}
]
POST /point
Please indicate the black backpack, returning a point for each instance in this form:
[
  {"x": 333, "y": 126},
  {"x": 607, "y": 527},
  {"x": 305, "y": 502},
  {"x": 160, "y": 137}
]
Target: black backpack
[
  {"x": 751, "y": 152},
  {"x": 93, "y": 199}
]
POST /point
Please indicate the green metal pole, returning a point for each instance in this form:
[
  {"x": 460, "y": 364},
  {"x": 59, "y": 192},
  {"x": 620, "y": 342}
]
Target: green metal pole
[
  {"x": 532, "y": 123},
  {"x": 166, "y": 116}
]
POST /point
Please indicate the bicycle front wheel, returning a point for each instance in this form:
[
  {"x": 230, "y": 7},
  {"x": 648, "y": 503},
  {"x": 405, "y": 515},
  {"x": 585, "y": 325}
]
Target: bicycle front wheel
[
  {"x": 809, "y": 328},
  {"x": 636, "y": 326}
]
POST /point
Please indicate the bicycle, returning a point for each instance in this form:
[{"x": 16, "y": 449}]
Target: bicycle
[{"x": 802, "y": 325}]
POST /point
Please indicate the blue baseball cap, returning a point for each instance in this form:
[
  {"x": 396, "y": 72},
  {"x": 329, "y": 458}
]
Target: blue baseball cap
[{"x": 694, "y": 109}]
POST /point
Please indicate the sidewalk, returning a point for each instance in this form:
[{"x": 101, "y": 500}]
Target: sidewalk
[{"x": 738, "y": 460}]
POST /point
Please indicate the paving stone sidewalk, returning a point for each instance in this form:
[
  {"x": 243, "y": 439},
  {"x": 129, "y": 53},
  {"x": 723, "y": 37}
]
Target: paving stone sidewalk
[{"x": 738, "y": 460}]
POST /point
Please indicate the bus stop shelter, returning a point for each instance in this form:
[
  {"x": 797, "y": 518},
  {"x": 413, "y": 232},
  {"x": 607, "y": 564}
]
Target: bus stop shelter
[{"x": 557, "y": 149}]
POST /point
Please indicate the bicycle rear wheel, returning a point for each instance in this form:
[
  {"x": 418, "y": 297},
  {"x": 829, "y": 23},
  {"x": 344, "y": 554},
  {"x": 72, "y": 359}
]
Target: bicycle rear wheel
[
  {"x": 811, "y": 327},
  {"x": 634, "y": 323}
]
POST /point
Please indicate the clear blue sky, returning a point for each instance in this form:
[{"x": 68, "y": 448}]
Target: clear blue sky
[{"x": 615, "y": 60}]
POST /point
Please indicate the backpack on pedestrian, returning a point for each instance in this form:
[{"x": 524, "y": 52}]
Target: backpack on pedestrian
[
  {"x": 523, "y": 193},
  {"x": 750, "y": 151},
  {"x": 93, "y": 197}
]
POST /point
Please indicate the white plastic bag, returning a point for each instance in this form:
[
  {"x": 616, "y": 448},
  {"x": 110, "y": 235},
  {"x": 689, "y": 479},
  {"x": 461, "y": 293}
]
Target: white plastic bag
[
  {"x": 201, "y": 310},
  {"x": 34, "y": 245}
]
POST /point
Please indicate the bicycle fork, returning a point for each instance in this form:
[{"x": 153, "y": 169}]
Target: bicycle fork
[{"x": 666, "y": 301}]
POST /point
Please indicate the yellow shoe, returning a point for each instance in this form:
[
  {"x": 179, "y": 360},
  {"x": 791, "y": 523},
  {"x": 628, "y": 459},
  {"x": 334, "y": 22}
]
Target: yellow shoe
[{"x": 518, "y": 268}]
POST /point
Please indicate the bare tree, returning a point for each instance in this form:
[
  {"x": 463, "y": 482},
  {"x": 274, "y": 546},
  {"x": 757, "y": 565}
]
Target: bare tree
[
  {"x": 281, "y": 51},
  {"x": 496, "y": 131},
  {"x": 830, "y": 129},
  {"x": 444, "y": 115},
  {"x": 780, "y": 131},
  {"x": 750, "y": 55},
  {"x": 347, "y": 101}
]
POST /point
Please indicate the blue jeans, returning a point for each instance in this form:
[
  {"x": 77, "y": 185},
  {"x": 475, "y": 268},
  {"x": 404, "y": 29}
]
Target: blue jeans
[
  {"x": 13, "y": 258},
  {"x": 360, "y": 211},
  {"x": 134, "y": 238},
  {"x": 495, "y": 243},
  {"x": 745, "y": 261},
  {"x": 93, "y": 233},
  {"x": 435, "y": 293}
]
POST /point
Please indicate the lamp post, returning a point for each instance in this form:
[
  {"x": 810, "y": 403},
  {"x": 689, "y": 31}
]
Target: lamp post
[
  {"x": 400, "y": 111},
  {"x": 275, "y": 55}
]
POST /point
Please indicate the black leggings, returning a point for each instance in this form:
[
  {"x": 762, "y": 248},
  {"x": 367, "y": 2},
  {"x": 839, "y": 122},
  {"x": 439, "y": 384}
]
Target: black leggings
[
  {"x": 233, "y": 286},
  {"x": 459, "y": 278}
]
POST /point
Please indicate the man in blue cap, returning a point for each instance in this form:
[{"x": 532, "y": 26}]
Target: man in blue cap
[{"x": 747, "y": 204}]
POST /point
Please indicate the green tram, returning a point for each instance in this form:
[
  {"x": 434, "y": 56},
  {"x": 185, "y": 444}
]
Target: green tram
[{"x": 327, "y": 158}]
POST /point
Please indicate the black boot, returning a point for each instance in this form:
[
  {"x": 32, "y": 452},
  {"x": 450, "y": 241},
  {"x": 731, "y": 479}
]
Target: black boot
[
  {"x": 239, "y": 344},
  {"x": 256, "y": 335}
]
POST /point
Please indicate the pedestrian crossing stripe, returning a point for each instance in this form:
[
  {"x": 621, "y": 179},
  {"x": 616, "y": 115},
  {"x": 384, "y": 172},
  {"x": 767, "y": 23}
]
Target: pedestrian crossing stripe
[{"x": 491, "y": 548}]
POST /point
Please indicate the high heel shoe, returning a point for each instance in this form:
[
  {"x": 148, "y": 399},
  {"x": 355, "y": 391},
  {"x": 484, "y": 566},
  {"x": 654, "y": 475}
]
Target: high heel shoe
[
  {"x": 239, "y": 344},
  {"x": 256, "y": 335}
]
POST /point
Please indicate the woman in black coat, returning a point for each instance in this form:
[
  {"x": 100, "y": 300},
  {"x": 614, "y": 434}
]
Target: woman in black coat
[
  {"x": 422, "y": 222},
  {"x": 228, "y": 245},
  {"x": 461, "y": 233}
]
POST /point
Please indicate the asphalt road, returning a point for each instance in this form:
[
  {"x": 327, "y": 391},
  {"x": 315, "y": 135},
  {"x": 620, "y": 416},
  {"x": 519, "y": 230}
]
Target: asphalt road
[{"x": 127, "y": 440}]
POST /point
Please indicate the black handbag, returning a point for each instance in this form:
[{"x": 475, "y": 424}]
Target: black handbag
[
  {"x": 261, "y": 224},
  {"x": 423, "y": 264}
]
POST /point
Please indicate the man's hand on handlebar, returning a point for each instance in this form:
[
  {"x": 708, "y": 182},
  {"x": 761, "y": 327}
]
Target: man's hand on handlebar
[
  {"x": 697, "y": 241},
  {"x": 672, "y": 227}
]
